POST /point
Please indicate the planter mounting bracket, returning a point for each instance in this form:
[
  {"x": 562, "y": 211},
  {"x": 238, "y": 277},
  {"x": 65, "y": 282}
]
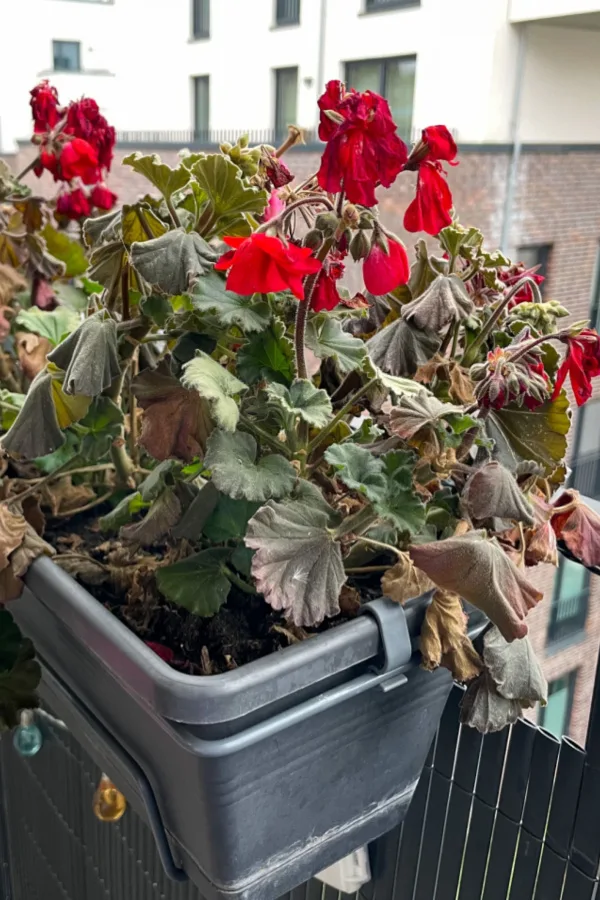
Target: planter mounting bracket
[{"x": 395, "y": 641}]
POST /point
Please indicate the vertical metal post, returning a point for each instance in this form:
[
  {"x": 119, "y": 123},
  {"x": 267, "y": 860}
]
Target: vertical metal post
[
  {"x": 322, "y": 50},
  {"x": 515, "y": 138}
]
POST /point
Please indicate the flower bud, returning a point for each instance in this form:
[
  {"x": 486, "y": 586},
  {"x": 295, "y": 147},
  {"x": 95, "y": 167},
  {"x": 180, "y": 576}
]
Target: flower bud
[
  {"x": 360, "y": 246},
  {"x": 327, "y": 223},
  {"x": 350, "y": 215},
  {"x": 313, "y": 239},
  {"x": 365, "y": 221}
]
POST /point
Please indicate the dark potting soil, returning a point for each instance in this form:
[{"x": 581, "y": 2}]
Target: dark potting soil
[{"x": 244, "y": 629}]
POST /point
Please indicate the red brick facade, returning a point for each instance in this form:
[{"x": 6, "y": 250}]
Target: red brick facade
[{"x": 556, "y": 202}]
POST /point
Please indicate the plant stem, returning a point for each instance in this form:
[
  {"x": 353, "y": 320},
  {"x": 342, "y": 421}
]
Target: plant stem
[
  {"x": 9, "y": 406},
  {"x": 90, "y": 505},
  {"x": 265, "y": 436},
  {"x": 240, "y": 582},
  {"x": 61, "y": 470},
  {"x": 132, "y": 410},
  {"x": 144, "y": 224},
  {"x": 318, "y": 440},
  {"x": 294, "y": 137},
  {"x": 471, "y": 354},
  {"x": 225, "y": 351},
  {"x": 382, "y": 546},
  {"x": 303, "y": 308},
  {"x": 455, "y": 336},
  {"x": 364, "y": 570},
  {"x": 340, "y": 203},
  {"x": 165, "y": 336},
  {"x": 84, "y": 470},
  {"x": 356, "y": 523},
  {"x": 28, "y": 168},
  {"x": 125, "y": 294},
  {"x": 173, "y": 212},
  {"x": 447, "y": 338}
]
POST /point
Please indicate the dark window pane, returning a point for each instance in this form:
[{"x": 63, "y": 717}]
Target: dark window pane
[
  {"x": 556, "y": 716},
  {"x": 394, "y": 79},
  {"x": 286, "y": 99},
  {"x": 536, "y": 255},
  {"x": 201, "y": 18},
  {"x": 586, "y": 453},
  {"x": 287, "y": 12},
  {"x": 66, "y": 56},
  {"x": 372, "y": 5},
  {"x": 201, "y": 107},
  {"x": 569, "y": 603}
]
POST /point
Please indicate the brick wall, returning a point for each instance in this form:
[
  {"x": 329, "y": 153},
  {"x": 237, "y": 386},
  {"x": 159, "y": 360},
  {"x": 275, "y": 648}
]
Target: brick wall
[{"x": 557, "y": 202}]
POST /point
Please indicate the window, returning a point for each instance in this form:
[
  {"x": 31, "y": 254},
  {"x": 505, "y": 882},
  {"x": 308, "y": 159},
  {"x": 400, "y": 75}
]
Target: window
[
  {"x": 287, "y": 12},
  {"x": 586, "y": 453},
  {"x": 201, "y": 107},
  {"x": 67, "y": 56},
  {"x": 556, "y": 716},
  {"x": 394, "y": 79},
  {"x": 536, "y": 255},
  {"x": 286, "y": 100},
  {"x": 201, "y": 18},
  {"x": 570, "y": 601},
  {"x": 377, "y": 5}
]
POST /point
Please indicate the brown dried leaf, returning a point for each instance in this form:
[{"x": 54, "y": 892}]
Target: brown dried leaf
[
  {"x": 492, "y": 491},
  {"x": 31, "y": 351},
  {"x": 404, "y": 581},
  {"x": 13, "y": 529},
  {"x": 444, "y": 639},
  {"x": 205, "y": 662},
  {"x": 32, "y": 547},
  {"x": 540, "y": 541},
  {"x": 484, "y": 709},
  {"x": 11, "y": 282},
  {"x": 578, "y": 526},
  {"x": 62, "y": 495},
  {"x": 33, "y": 513},
  {"x": 349, "y": 600},
  {"x": 515, "y": 669},
  {"x": 176, "y": 421},
  {"x": 477, "y": 568},
  {"x": 292, "y": 633},
  {"x": 164, "y": 513},
  {"x": 11, "y": 587},
  {"x": 460, "y": 385}
]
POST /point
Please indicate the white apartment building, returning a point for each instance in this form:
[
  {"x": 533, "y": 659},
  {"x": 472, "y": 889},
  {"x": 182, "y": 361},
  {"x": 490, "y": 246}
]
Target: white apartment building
[{"x": 492, "y": 70}]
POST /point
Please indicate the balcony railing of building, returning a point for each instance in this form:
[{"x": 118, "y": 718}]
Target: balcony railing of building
[{"x": 188, "y": 137}]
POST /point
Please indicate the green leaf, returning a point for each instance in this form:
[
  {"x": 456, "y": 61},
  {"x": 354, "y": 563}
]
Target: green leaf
[
  {"x": 157, "y": 308},
  {"x": 326, "y": 339},
  {"x": 19, "y": 672},
  {"x": 68, "y": 251},
  {"x": 174, "y": 262},
  {"x": 54, "y": 325},
  {"x": 229, "y": 199},
  {"x": 107, "y": 262},
  {"x": 231, "y": 457},
  {"x": 65, "y": 453},
  {"x": 229, "y": 520},
  {"x": 298, "y": 564},
  {"x": 358, "y": 469},
  {"x": 89, "y": 356},
  {"x": 399, "y": 504},
  {"x": 73, "y": 297},
  {"x": 216, "y": 385},
  {"x": 164, "y": 475},
  {"x": 400, "y": 349},
  {"x": 199, "y": 583},
  {"x": 198, "y": 512},
  {"x": 267, "y": 356},
  {"x": 98, "y": 229},
  {"x": 303, "y": 399},
  {"x": 123, "y": 512},
  {"x": 231, "y": 309},
  {"x": 531, "y": 434},
  {"x": 7, "y": 415},
  {"x": 158, "y": 173},
  {"x": 132, "y": 228}
]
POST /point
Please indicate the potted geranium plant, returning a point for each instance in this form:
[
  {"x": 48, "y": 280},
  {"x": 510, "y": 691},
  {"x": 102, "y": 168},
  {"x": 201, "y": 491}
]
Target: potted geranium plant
[{"x": 255, "y": 454}]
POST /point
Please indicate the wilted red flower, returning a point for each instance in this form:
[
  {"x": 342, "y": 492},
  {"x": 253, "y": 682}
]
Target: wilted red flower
[
  {"x": 47, "y": 161},
  {"x": 430, "y": 210},
  {"x": 277, "y": 172},
  {"x": 510, "y": 276},
  {"x": 383, "y": 272},
  {"x": 273, "y": 207},
  {"x": 102, "y": 197},
  {"x": 261, "y": 264},
  {"x": 165, "y": 653},
  {"x": 325, "y": 294},
  {"x": 78, "y": 159},
  {"x": 85, "y": 121},
  {"x": 73, "y": 204},
  {"x": 581, "y": 363},
  {"x": 363, "y": 149},
  {"x": 44, "y": 107}
]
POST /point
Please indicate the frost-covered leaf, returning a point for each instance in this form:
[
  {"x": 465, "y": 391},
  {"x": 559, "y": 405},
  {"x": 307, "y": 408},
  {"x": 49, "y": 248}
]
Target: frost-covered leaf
[
  {"x": 215, "y": 384},
  {"x": 515, "y": 669},
  {"x": 229, "y": 520},
  {"x": 399, "y": 504},
  {"x": 358, "y": 468},
  {"x": 98, "y": 229},
  {"x": 163, "y": 514},
  {"x": 139, "y": 223},
  {"x": 419, "y": 411},
  {"x": 107, "y": 263},
  {"x": 540, "y": 540},
  {"x": 538, "y": 434},
  {"x": 326, "y": 339},
  {"x": 174, "y": 262},
  {"x": 54, "y": 325},
  {"x": 484, "y": 709},
  {"x": 491, "y": 491},
  {"x": 268, "y": 356},
  {"x": 31, "y": 548},
  {"x": 197, "y": 514},
  {"x": 303, "y": 399},
  {"x": 90, "y": 356},
  {"x": 445, "y": 300},
  {"x": 158, "y": 173},
  {"x": 444, "y": 640},
  {"x": 298, "y": 564},
  {"x": 403, "y": 581},
  {"x": 575, "y": 523},
  {"x": 176, "y": 421},
  {"x": 237, "y": 472},
  {"x": 30, "y": 442},
  {"x": 209, "y": 295},
  {"x": 199, "y": 583},
  {"x": 478, "y": 569},
  {"x": 228, "y": 197},
  {"x": 400, "y": 349}
]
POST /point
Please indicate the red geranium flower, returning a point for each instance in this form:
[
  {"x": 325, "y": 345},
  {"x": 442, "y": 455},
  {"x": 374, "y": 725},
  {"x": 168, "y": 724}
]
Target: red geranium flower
[
  {"x": 73, "y": 204},
  {"x": 165, "y": 653},
  {"x": 581, "y": 363},
  {"x": 47, "y": 161},
  {"x": 384, "y": 271},
  {"x": 514, "y": 274},
  {"x": 102, "y": 197},
  {"x": 85, "y": 121},
  {"x": 430, "y": 210},
  {"x": 264, "y": 264},
  {"x": 325, "y": 294},
  {"x": 44, "y": 107},
  {"x": 363, "y": 149},
  {"x": 78, "y": 159}
]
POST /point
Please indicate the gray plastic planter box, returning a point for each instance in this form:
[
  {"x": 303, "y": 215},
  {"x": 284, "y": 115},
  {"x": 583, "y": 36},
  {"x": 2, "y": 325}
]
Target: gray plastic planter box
[{"x": 253, "y": 780}]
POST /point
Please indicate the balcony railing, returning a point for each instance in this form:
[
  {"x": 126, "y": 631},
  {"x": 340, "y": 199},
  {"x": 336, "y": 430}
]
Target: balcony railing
[
  {"x": 190, "y": 138},
  {"x": 568, "y": 617}
]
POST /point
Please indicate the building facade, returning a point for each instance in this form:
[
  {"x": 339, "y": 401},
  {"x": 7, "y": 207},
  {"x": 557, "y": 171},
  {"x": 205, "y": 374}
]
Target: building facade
[{"x": 518, "y": 82}]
